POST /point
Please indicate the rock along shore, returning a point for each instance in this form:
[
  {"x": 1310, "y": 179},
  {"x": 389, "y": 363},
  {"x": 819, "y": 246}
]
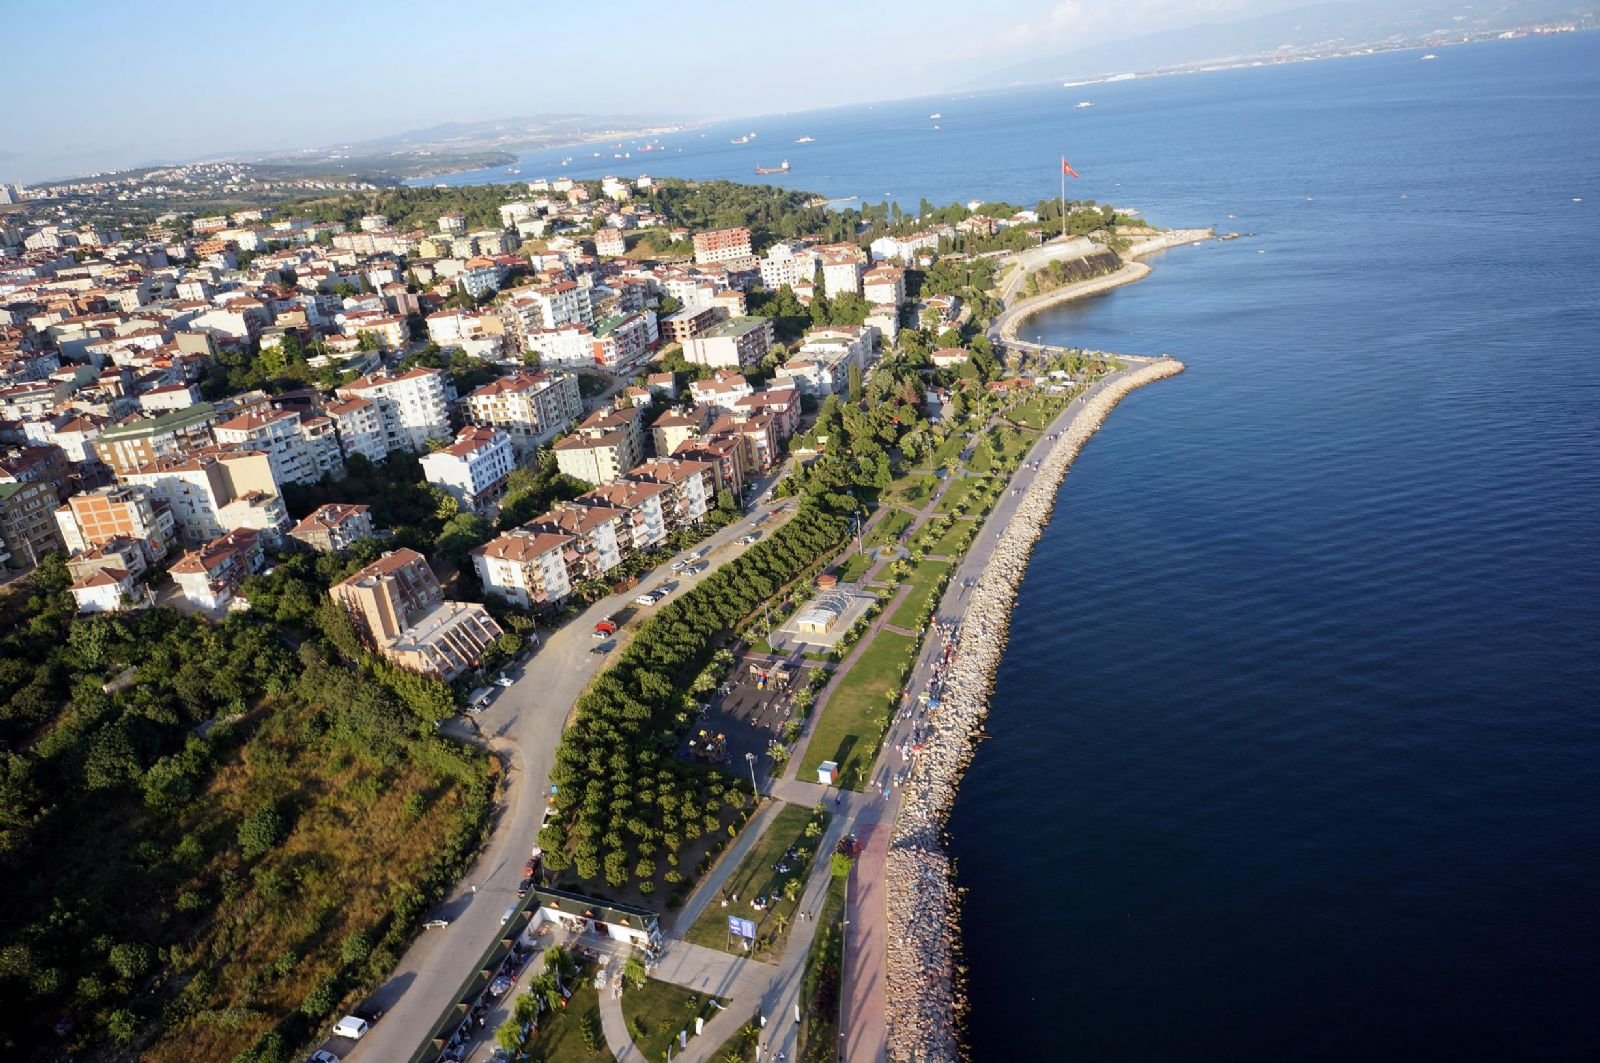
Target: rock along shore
[{"x": 925, "y": 1000}]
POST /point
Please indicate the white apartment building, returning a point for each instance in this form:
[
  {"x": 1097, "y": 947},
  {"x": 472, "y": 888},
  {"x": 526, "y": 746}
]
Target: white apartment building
[
  {"x": 474, "y": 468},
  {"x": 733, "y": 344},
  {"x": 841, "y": 274},
  {"x": 359, "y": 429},
  {"x": 531, "y": 408},
  {"x": 525, "y": 567},
  {"x": 275, "y": 433},
  {"x": 414, "y": 406},
  {"x": 788, "y": 263},
  {"x": 552, "y": 306}
]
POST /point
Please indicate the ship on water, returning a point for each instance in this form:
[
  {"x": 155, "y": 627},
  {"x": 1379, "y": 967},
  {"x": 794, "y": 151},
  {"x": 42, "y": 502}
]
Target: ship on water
[
  {"x": 805, "y": 140},
  {"x": 763, "y": 170}
]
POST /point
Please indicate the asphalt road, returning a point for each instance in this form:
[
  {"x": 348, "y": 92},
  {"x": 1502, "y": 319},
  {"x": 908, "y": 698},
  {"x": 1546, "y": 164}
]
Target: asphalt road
[{"x": 523, "y": 724}]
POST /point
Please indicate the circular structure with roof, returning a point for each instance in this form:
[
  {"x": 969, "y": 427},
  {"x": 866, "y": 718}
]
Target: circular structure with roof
[{"x": 824, "y": 612}]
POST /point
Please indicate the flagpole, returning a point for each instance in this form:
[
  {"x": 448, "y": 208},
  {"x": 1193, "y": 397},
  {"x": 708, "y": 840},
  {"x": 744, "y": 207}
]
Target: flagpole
[{"x": 1063, "y": 197}]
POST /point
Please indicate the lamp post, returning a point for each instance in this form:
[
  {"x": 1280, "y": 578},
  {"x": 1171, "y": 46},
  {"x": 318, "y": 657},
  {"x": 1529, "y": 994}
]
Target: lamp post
[{"x": 750, "y": 759}]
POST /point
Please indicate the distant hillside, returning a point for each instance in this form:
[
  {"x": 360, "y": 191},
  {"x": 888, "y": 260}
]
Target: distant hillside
[{"x": 1328, "y": 26}]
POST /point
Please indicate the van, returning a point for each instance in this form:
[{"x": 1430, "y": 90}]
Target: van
[
  {"x": 351, "y": 1026},
  {"x": 480, "y": 698}
]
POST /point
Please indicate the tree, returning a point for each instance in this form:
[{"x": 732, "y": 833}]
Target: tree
[
  {"x": 130, "y": 961},
  {"x": 633, "y": 970},
  {"x": 260, "y": 832},
  {"x": 855, "y": 383}
]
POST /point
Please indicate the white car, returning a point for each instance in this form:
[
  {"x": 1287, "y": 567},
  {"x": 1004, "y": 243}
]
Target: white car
[
  {"x": 746, "y": 540},
  {"x": 351, "y": 1026},
  {"x": 679, "y": 565},
  {"x": 648, "y": 598},
  {"x": 503, "y": 680}
]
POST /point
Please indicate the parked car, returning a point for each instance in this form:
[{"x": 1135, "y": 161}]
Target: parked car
[
  {"x": 747, "y": 539},
  {"x": 524, "y": 886},
  {"x": 647, "y": 598},
  {"x": 696, "y": 568},
  {"x": 605, "y": 647},
  {"x": 503, "y": 681},
  {"x": 505, "y": 917},
  {"x": 322, "y": 1055},
  {"x": 351, "y": 1026},
  {"x": 605, "y": 628},
  {"x": 680, "y": 564},
  {"x": 436, "y": 924}
]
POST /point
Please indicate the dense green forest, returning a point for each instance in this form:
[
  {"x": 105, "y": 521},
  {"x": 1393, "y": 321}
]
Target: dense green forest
[{"x": 212, "y": 834}]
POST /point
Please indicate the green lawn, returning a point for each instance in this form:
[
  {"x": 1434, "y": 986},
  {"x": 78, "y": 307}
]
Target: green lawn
[
  {"x": 660, "y": 1010},
  {"x": 913, "y": 490},
  {"x": 889, "y": 527},
  {"x": 950, "y": 448},
  {"x": 741, "y": 1046},
  {"x": 956, "y": 540},
  {"x": 857, "y": 714},
  {"x": 854, "y": 566},
  {"x": 957, "y": 492},
  {"x": 1013, "y": 444},
  {"x": 560, "y": 1039},
  {"x": 756, "y": 877},
  {"x": 923, "y": 579},
  {"x": 823, "y": 981},
  {"x": 1038, "y": 412}
]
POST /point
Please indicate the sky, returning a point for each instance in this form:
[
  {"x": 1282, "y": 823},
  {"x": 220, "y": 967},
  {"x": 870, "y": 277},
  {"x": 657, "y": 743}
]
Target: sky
[{"x": 112, "y": 83}]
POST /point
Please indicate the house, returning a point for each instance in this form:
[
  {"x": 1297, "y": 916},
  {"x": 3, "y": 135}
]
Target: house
[
  {"x": 107, "y": 590},
  {"x": 334, "y": 527},
  {"x": 399, "y": 609},
  {"x": 474, "y": 469},
  {"x": 209, "y": 576},
  {"x": 945, "y": 357}
]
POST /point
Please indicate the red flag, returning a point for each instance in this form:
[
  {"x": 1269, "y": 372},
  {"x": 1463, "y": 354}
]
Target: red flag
[{"x": 1066, "y": 168}]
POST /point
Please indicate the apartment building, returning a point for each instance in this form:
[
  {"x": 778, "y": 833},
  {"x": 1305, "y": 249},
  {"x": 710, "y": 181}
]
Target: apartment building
[
  {"x": 609, "y": 241},
  {"x": 722, "y": 245},
  {"x": 551, "y": 306},
  {"x": 525, "y": 567},
  {"x": 597, "y": 535},
  {"x": 644, "y": 523},
  {"x": 209, "y": 576},
  {"x": 841, "y": 273},
  {"x": 107, "y": 590},
  {"x": 413, "y": 406},
  {"x": 473, "y": 469},
  {"x": 683, "y": 325},
  {"x": 91, "y": 519},
  {"x": 622, "y": 343},
  {"x": 788, "y": 263},
  {"x": 691, "y": 488},
  {"x": 358, "y": 427},
  {"x": 884, "y": 284},
  {"x": 603, "y": 447},
  {"x": 399, "y": 609},
  {"x": 333, "y": 528},
  {"x": 278, "y": 435},
  {"x": 212, "y": 492},
  {"x": 138, "y": 442},
  {"x": 737, "y": 343},
  {"x": 531, "y": 408},
  {"x": 676, "y": 427},
  {"x": 27, "y": 523}
]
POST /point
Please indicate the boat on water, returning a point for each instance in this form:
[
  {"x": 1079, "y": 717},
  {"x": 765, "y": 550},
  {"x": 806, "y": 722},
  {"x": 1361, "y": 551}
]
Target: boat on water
[
  {"x": 740, "y": 140},
  {"x": 1085, "y": 103},
  {"x": 936, "y": 125},
  {"x": 1430, "y": 55},
  {"x": 762, "y": 170},
  {"x": 806, "y": 140},
  {"x": 512, "y": 169},
  {"x": 936, "y": 114}
]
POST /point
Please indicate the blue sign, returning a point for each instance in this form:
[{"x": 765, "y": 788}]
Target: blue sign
[{"x": 741, "y": 928}]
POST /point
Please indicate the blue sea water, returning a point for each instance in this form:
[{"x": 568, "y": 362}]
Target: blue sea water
[{"x": 1297, "y": 750}]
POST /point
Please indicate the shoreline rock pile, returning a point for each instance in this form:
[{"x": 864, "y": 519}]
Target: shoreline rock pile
[{"x": 925, "y": 999}]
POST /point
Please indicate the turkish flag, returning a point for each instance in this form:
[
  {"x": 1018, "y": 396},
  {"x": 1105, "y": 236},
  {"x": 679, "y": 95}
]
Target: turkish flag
[{"x": 1066, "y": 168}]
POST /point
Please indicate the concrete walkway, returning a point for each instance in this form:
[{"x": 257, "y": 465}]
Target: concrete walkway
[
  {"x": 710, "y": 887},
  {"x": 618, "y": 1039}
]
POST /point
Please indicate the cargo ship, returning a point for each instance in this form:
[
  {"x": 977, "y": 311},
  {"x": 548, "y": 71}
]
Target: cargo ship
[{"x": 762, "y": 170}]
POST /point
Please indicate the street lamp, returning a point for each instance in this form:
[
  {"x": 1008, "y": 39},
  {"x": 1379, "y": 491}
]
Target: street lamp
[{"x": 750, "y": 759}]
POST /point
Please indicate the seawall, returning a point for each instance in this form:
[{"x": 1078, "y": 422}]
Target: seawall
[{"x": 925, "y": 999}]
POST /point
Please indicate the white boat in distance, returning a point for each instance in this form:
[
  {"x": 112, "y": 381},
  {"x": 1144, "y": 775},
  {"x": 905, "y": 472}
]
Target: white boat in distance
[
  {"x": 806, "y": 140},
  {"x": 936, "y": 114},
  {"x": 1085, "y": 103}
]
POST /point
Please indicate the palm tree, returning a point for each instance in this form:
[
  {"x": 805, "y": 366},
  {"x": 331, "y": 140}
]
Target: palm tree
[{"x": 780, "y": 921}]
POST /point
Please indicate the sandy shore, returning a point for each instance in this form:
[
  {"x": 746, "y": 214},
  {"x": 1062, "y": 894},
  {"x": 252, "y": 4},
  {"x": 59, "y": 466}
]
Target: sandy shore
[{"x": 925, "y": 998}]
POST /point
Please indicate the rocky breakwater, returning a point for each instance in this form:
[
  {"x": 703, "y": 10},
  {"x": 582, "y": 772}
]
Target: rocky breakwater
[{"x": 925, "y": 998}]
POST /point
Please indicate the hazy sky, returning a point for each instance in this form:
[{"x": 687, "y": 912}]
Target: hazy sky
[{"x": 99, "y": 84}]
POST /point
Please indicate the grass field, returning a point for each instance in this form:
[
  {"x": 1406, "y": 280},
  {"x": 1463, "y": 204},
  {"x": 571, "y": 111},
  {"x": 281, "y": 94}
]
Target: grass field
[
  {"x": 956, "y": 540},
  {"x": 1013, "y": 444},
  {"x": 823, "y": 980},
  {"x": 854, "y": 566},
  {"x": 889, "y": 527},
  {"x": 656, "y": 1012},
  {"x": 911, "y": 490},
  {"x": 1038, "y": 412},
  {"x": 922, "y": 582},
  {"x": 756, "y": 877},
  {"x": 957, "y": 493},
  {"x": 950, "y": 448},
  {"x": 560, "y": 1039},
  {"x": 857, "y": 713}
]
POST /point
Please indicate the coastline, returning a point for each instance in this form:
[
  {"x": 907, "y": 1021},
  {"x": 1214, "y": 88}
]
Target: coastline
[
  {"x": 924, "y": 997},
  {"x": 1132, "y": 269}
]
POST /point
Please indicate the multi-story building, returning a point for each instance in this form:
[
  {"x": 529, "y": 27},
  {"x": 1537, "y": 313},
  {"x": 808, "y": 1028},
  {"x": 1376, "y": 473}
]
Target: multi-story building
[
  {"x": 91, "y": 519},
  {"x": 597, "y": 535},
  {"x": 721, "y": 245},
  {"x": 788, "y": 263},
  {"x": 27, "y": 523},
  {"x": 358, "y": 426},
  {"x": 413, "y": 406},
  {"x": 622, "y": 343},
  {"x": 684, "y": 325},
  {"x": 884, "y": 284},
  {"x": 604, "y": 446},
  {"x": 675, "y": 427},
  {"x": 127, "y": 555},
  {"x": 210, "y": 575},
  {"x": 139, "y": 442},
  {"x": 473, "y": 469},
  {"x": 736, "y": 343},
  {"x": 333, "y": 528},
  {"x": 644, "y": 523},
  {"x": 841, "y": 273},
  {"x": 531, "y": 408},
  {"x": 399, "y": 609},
  {"x": 525, "y": 567},
  {"x": 106, "y": 590},
  {"x": 609, "y": 241},
  {"x": 691, "y": 488},
  {"x": 277, "y": 434},
  {"x": 216, "y": 491},
  {"x": 551, "y": 306}
]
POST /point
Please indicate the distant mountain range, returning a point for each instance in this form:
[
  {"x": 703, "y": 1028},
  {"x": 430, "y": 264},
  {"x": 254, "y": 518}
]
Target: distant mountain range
[{"x": 1327, "y": 27}]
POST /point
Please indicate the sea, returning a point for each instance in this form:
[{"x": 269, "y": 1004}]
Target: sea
[{"x": 1296, "y": 746}]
